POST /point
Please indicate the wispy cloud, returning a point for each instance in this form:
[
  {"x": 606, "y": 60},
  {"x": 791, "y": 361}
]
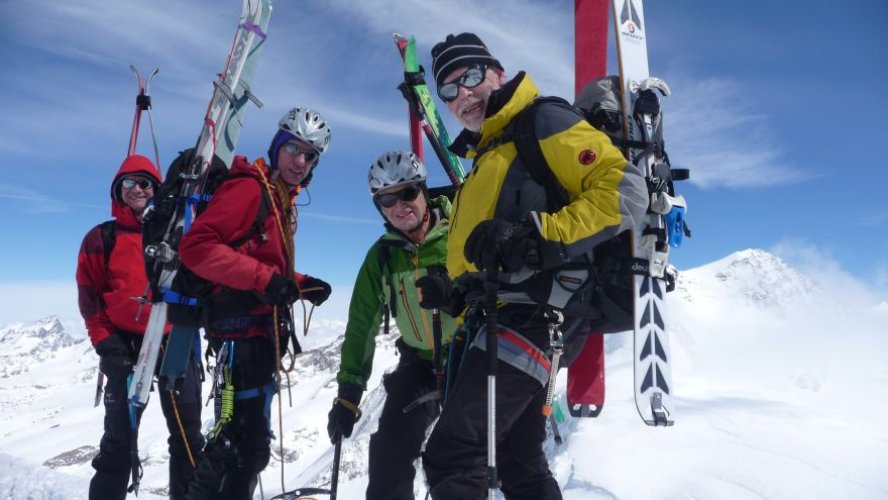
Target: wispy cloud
[
  {"x": 121, "y": 29},
  {"x": 874, "y": 219},
  {"x": 34, "y": 202},
  {"x": 713, "y": 128},
  {"x": 819, "y": 263},
  {"x": 522, "y": 34},
  {"x": 336, "y": 56},
  {"x": 712, "y": 125},
  {"x": 340, "y": 218}
]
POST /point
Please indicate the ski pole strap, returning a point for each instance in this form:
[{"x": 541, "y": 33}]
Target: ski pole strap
[{"x": 348, "y": 404}]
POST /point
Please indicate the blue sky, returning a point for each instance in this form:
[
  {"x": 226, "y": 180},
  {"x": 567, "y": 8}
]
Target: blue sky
[{"x": 778, "y": 114}]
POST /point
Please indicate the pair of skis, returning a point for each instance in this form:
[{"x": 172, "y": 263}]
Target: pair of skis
[
  {"x": 423, "y": 113},
  {"x": 651, "y": 237},
  {"x": 222, "y": 125},
  {"x": 662, "y": 226}
]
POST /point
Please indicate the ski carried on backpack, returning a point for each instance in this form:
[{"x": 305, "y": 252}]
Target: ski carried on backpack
[
  {"x": 218, "y": 138},
  {"x": 663, "y": 225},
  {"x": 143, "y": 103},
  {"x": 585, "y": 375},
  {"x": 423, "y": 107}
]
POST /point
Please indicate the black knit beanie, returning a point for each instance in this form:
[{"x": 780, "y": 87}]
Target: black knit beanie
[{"x": 458, "y": 51}]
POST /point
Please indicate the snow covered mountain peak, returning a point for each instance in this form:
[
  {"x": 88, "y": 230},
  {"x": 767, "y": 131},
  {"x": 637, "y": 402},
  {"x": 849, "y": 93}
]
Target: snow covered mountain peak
[
  {"x": 48, "y": 326},
  {"x": 758, "y": 278},
  {"x": 23, "y": 346}
]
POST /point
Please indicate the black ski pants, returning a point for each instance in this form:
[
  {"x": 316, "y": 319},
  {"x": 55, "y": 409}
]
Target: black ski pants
[
  {"x": 112, "y": 463},
  {"x": 455, "y": 459},
  {"x": 231, "y": 462},
  {"x": 396, "y": 445}
]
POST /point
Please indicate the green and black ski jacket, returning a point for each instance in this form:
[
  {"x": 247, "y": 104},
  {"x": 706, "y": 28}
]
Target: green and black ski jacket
[{"x": 388, "y": 278}]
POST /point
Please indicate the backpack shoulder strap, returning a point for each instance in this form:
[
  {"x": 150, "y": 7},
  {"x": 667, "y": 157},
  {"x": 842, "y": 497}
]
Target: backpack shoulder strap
[
  {"x": 388, "y": 309},
  {"x": 109, "y": 238},
  {"x": 531, "y": 155},
  {"x": 264, "y": 208}
]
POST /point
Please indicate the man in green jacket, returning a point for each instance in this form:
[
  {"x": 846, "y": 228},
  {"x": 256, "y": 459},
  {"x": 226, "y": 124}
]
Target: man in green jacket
[{"x": 414, "y": 245}]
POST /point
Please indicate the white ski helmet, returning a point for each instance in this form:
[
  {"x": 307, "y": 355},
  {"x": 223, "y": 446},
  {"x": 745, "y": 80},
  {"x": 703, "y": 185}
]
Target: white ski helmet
[
  {"x": 395, "y": 168},
  {"x": 308, "y": 125}
]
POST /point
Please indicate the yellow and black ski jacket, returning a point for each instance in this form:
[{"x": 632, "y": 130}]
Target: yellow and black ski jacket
[{"x": 606, "y": 193}]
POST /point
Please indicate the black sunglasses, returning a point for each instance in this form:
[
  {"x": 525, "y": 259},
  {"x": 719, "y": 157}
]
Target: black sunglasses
[
  {"x": 295, "y": 150},
  {"x": 142, "y": 183},
  {"x": 470, "y": 79},
  {"x": 409, "y": 193}
]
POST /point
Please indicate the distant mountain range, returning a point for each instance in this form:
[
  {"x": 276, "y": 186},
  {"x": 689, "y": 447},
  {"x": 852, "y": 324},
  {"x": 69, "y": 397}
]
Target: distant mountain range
[{"x": 769, "y": 370}]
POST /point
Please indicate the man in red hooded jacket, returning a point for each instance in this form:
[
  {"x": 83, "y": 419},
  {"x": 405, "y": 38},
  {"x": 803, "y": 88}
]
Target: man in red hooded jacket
[
  {"x": 110, "y": 272},
  {"x": 224, "y": 247}
]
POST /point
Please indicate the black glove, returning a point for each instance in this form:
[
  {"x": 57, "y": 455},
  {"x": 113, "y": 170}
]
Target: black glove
[
  {"x": 114, "y": 357},
  {"x": 342, "y": 417},
  {"x": 496, "y": 245},
  {"x": 438, "y": 292},
  {"x": 315, "y": 291},
  {"x": 281, "y": 290}
]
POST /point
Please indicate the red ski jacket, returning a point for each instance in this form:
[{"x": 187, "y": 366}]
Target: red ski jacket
[
  {"x": 229, "y": 218},
  {"x": 105, "y": 290}
]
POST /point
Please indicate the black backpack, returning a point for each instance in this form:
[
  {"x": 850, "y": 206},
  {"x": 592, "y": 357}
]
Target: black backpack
[{"x": 192, "y": 303}]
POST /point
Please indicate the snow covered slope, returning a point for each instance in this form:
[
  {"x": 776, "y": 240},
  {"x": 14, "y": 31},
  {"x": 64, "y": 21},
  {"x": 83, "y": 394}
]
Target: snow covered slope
[{"x": 780, "y": 386}]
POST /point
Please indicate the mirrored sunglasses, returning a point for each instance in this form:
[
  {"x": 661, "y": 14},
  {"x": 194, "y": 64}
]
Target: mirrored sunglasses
[
  {"x": 470, "y": 79},
  {"x": 142, "y": 183},
  {"x": 409, "y": 193},
  {"x": 296, "y": 150}
]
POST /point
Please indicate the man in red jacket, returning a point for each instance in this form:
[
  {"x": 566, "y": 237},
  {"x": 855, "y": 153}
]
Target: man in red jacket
[
  {"x": 234, "y": 246},
  {"x": 110, "y": 272}
]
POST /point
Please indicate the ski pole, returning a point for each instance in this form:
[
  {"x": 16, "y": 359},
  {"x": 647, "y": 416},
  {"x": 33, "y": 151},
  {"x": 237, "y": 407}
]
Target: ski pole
[
  {"x": 491, "y": 287},
  {"x": 438, "y": 360},
  {"x": 556, "y": 434},
  {"x": 99, "y": 381},
  {"x": 334, "y": 480},
  {"x": 135, "y": 462}
]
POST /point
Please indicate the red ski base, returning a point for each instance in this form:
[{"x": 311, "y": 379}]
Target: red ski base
[{"x": 585, "y": 379}]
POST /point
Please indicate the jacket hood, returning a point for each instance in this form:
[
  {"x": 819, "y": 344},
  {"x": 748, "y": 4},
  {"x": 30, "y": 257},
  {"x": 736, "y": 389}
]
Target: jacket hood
[{"x": 135, "y": 164}]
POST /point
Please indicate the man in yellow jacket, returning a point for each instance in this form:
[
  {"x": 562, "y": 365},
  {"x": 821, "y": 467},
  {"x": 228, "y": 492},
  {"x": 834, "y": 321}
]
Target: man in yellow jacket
[{"x": 500, "y": 223}]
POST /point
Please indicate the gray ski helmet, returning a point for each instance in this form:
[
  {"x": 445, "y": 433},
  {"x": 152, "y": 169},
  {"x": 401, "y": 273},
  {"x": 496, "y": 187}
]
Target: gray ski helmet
[
  {"x": 308, "y": 125},
  {"x": 395, "y": 168}
]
